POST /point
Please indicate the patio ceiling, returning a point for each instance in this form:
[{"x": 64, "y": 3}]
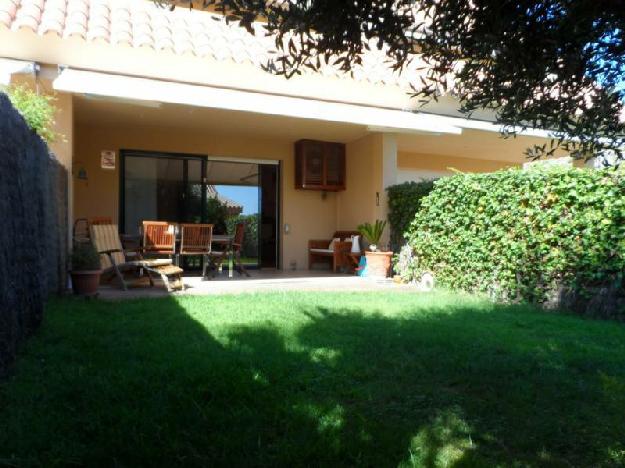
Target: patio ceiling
[
  {"x": 232, "y": 173},
  {"x": 476, "y": 144},
  {"x": 93, "y": 111}
]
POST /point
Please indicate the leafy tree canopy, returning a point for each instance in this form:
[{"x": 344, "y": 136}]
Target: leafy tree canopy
[{"x": 551, "y": 64}]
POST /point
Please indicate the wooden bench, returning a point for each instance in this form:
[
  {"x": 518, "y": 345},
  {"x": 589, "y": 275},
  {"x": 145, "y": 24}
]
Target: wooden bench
[
  {"x": 169, "y": 271},
  {"x": 319, "y": 250}
]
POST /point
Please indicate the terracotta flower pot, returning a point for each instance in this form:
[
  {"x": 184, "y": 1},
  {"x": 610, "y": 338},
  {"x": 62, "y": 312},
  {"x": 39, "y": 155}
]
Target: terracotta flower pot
[
  {"x": 85, "y": 283},
  {"x": 378, "y": 264}
]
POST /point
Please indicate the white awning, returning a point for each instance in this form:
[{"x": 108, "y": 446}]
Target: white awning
[
  {"x": 493, "y": 127},
  {"x": 10, "y": 67},
  {"x": 152, "y": 92}
]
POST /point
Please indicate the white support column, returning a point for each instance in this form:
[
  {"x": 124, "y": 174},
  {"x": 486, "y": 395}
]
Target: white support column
[
  {"x": 389, "y": 177},
  {"x": 389, "y": 153}
]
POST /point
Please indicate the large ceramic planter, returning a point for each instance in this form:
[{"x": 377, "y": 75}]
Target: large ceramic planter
[
  {"x": 378, "y": 264},
  {"x": 85, "y": 283}
]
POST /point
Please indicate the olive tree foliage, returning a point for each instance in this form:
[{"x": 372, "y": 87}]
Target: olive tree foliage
[{"x": 550, "y": 64}]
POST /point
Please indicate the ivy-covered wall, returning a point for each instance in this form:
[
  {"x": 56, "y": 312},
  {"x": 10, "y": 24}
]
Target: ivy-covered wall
[
  {"x": 550, "y": 236},
  {"x": 33, "y": 238},
  {"x": 404, "y": 200}
]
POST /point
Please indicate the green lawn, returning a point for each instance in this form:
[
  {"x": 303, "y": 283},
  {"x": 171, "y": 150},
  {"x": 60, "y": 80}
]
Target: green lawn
[{"x": 315, "y": 379}]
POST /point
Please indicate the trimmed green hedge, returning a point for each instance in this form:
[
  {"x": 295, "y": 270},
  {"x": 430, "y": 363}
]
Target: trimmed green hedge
[
  {"x": 404, "y": 200},
  {"x": 523, "y": 235}
]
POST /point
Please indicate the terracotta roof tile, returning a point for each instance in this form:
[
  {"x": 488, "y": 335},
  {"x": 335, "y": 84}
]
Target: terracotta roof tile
[
  {"x": 53, "y": 17},
  {"x": 8, "y": 9},
  {"x": 139, "y": 23}
]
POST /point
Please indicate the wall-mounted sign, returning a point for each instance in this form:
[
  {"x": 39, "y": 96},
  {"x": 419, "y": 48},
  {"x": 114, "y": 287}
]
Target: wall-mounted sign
[{"x": 107, "y": 159}]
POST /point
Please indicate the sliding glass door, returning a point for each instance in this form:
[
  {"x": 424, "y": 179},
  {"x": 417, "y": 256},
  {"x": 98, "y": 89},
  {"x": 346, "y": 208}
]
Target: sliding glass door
[
  {"x": 161, "y": 187},
  {"x": 194, "y": 189}
]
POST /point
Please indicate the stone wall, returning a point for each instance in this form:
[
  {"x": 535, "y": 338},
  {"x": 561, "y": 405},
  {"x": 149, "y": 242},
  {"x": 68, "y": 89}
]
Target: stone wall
[{"x": 33, "y": 229}]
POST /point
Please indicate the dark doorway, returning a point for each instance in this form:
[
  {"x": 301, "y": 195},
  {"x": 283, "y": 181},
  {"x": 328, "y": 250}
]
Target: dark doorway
[{"x": 269, "y": 216}]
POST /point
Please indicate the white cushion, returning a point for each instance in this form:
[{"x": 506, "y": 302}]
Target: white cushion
[
  {"x": 331, "y": 246},
  {"x": 322, "y": 250},
  {"x": 155, "y": 262}
]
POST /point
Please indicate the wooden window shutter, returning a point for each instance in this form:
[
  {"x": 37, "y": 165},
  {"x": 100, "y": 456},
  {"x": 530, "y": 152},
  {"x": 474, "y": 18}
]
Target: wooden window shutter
[{"x": 319, "y": 165}]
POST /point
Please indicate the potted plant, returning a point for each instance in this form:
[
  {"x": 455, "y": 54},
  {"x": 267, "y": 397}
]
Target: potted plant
[
  {"x": 378, "y": 262},
  {"x": 85, "y": 269}
]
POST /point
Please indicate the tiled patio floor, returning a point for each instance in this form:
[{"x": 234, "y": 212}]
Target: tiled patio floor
[{"x": 266, "y": 280}]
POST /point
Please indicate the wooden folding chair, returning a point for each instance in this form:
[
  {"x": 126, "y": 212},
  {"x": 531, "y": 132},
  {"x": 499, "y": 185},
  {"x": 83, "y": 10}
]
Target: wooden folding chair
[
  {"x": 237, "y": 245},
  {"x": 81, "y": 232},
  {"x": 195, "y": 239},
  {"x": 105, "y": 238},
  {"x": 159, "y": 238},
  {"x": 100, "y": 220}
]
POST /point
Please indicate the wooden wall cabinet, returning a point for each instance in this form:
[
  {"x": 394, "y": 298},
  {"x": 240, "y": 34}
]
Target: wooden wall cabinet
[{"x": 319, "y": 165}]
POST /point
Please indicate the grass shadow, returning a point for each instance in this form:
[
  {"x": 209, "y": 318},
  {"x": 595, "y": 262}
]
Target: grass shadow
[{"x": 306, "y": 379}]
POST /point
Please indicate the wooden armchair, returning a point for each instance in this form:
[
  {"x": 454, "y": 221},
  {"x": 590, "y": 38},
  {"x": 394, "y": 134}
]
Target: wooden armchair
[
  {"x": 237, "y": 246},
  {"x": 319, "y": 250},
  {"x": 159, "y": 238},
  {"x": 195, "y": 240}
]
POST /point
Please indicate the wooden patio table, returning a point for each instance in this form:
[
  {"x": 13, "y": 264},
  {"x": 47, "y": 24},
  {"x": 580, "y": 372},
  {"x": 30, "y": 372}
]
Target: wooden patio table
[{"x": 224, "y": 240}]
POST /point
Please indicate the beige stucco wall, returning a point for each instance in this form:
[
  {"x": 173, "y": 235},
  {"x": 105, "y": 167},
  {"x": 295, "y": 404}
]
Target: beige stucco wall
[
  {"x": 307, "y": 213},
  {"x": 357, "y": 203},
  {"x": 64, "y": 125},
  {"x": 63, "y": 148}
]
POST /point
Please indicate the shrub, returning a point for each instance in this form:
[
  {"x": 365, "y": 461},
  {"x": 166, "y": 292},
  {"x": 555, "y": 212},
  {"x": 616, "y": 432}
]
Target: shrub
[
  {"x": 523, "y": 234},
  {"x": 85, "y": 257},
  {"x": 37, "y": 109},
  {"x": 404, "y": 200},
  {"x": 406, "y": 264},
  {"x": 216, "y": 213}
]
